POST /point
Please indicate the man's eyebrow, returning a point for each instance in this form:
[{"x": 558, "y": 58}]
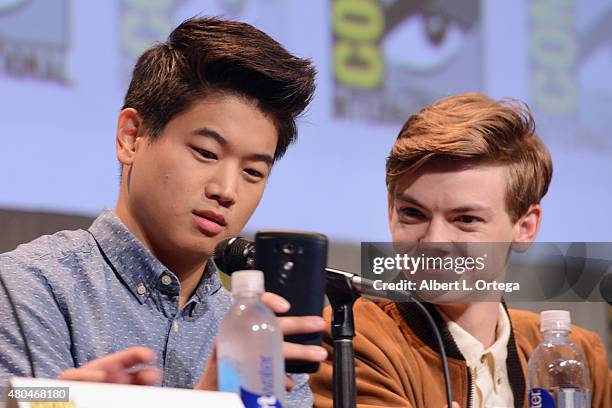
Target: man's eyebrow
[
  {"x": 409, "y": 199},
  {"x": 464, "y": 208},
  {"x": 207, "y": 132},
  {"x": 264, "y": 157},
  {"x": 469, "y": 208}
]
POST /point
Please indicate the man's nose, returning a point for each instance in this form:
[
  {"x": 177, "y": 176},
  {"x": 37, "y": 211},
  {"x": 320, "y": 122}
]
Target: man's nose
[
  {"x": 438, "y": 238},
  {"x": 222, "y": 187}
]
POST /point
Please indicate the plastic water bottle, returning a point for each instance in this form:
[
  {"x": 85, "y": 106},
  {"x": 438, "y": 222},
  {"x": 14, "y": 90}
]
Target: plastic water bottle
[
  {"x": 558, "y": 372},
  {"x": 250, "y": 346}
]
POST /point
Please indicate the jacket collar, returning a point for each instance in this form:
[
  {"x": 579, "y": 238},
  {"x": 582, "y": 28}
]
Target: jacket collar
[{"x": 417, "y": 321}]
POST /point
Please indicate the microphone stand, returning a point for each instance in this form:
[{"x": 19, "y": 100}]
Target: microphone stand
[
  {"x": 342, "y": 296},
  {"x": 342, "y": 290}
]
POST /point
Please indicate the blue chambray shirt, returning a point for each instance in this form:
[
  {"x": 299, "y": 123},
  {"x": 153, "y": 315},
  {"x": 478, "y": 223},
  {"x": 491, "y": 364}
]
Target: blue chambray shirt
[{"x": 84, "y": 294}]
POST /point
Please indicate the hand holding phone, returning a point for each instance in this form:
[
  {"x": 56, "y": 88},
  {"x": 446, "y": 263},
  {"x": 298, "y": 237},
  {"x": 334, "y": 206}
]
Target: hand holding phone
[{"x": 294, "y": 264}]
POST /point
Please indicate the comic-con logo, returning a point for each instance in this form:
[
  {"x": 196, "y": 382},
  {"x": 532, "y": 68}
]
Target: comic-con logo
[
  {"x": 34, "y": 39},
  {"x": 141, "y": 25}
]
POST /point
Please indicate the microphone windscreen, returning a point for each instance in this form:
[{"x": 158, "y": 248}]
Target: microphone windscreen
[{"x": 233, "y": 254}]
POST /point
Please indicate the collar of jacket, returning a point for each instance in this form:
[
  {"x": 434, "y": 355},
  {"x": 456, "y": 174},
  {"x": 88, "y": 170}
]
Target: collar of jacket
[{"x": 414, "y": 317}]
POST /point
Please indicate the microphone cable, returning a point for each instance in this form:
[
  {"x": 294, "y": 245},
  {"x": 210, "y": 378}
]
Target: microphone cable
[{"x": 443, "y": 359}]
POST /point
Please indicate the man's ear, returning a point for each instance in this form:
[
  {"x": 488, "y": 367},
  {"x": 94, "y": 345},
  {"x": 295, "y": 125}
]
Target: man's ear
[
  {"x": 527, "y": 228},
  {"x": 130, "y": 130}
]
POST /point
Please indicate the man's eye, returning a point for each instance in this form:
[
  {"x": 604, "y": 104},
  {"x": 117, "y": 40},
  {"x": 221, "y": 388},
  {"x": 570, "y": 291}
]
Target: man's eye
[
  {"x": 411, "y": 212},
  {"x": 206, "y": 154},
  {"x": 468, "y": 219},
  {"x": 253, "y": 173}
]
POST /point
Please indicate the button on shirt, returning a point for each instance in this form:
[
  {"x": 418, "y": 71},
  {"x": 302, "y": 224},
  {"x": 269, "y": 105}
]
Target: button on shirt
[
  {"x": 487, "y": 366},
  {"x": 84, "y": 294}
]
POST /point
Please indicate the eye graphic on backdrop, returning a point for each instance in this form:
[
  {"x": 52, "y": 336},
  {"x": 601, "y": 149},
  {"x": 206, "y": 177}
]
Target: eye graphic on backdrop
[{"x": 423, "y": 43}]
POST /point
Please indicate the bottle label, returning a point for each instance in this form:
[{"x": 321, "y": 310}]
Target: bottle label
[
  {"x": 572, "y": 398},
  {"x": 252, "y": 400},
  {"x": 540, "y": 398},
  {"x": 229, "y": 379},
  {"x": 564, "y": 397}
]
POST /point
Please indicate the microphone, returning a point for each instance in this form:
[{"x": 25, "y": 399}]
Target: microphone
[
  {"x": 234, "y": 254},
  {"x": 364, "y": 286},
  {"x": 237, "y": 253}
]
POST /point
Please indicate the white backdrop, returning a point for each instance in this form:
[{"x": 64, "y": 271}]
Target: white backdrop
[{"x": 64, "y": 69}]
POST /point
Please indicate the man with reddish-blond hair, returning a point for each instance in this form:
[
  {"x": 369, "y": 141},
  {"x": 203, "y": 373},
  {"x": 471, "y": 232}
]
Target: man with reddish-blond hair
[{"x": 464, "y": 169}]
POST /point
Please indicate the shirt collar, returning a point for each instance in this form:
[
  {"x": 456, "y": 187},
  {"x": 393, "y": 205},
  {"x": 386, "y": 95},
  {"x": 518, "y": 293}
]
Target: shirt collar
[
  {"x": 136, "y": 265},
  {"x": 473, "y": 350},
  {"x": 210, "y": 282}
]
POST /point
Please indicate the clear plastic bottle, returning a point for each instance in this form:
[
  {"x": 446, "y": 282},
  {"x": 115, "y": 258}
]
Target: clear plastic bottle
[
  {"x": 558, "y": 373},
  {"x": 250, "y": 346}
]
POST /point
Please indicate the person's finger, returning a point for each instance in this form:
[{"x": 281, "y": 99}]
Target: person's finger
[
  {"x": 301, "y": 324},
  {"x": 288, "y": 383},
  {"x": 293, "y": 351},
  {"x": 209, "y": 380},
  {"x": 123, "y": 359},
  {"x": 114, "y": 368},
  {"x": 118, "y": 376},
  {"x": 146, "y": 376},
  {"x": 276, "y": 303},
  {"x": 80, "y": 374}
]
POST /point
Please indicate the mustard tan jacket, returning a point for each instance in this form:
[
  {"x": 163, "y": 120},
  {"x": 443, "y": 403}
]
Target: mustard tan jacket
[{"x": 397, "y": 362}]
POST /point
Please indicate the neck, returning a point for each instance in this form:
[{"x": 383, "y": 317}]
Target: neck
[
  {"x": 477, "y": 318},
  {"x": 188, "y": 268}
]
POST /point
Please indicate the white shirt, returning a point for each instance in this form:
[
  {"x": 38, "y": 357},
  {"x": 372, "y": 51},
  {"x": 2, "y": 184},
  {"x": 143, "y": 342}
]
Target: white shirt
[{"x": 487, "y": 367}]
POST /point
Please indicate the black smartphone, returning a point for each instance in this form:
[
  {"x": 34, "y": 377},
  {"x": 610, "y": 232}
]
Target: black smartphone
[{"x": 294, "y": 264}]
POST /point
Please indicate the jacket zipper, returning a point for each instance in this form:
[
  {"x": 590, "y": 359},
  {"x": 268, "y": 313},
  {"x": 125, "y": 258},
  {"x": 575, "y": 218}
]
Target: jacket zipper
[{"x": 470, "y": 399}]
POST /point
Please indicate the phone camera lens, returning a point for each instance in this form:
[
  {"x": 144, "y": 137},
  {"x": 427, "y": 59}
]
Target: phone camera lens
[
  {"x": 288, "y": 266},
  {"x": 288, "y": 249}
]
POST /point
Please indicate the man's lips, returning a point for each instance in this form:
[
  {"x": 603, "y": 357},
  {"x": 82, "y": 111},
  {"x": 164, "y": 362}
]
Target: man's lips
[
  {"x": 209, "y": 222},
  {"x": 213, "y": 216}
]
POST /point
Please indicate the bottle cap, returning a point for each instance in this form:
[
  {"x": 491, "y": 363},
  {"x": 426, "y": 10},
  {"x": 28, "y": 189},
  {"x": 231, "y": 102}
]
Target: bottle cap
[
  {"x": 247, "y": 281},
  {"x": 555, "y": 320}
]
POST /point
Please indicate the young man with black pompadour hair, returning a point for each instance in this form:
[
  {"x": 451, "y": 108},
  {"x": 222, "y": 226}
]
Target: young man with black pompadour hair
[{"x": 206, "y": 115}]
